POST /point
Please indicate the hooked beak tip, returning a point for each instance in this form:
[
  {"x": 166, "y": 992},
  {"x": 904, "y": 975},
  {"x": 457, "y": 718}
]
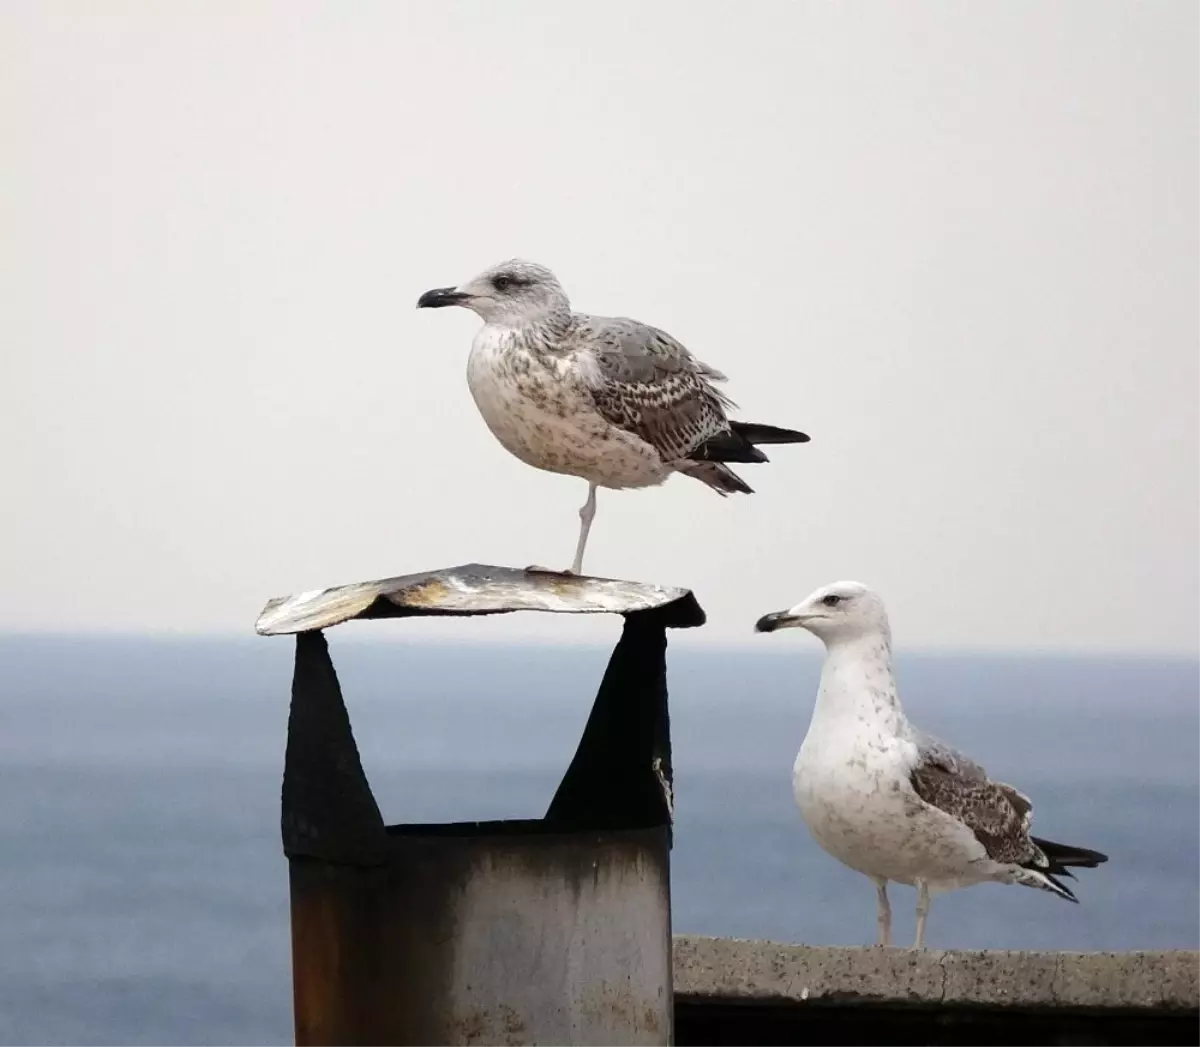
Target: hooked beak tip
[
  {"x": 441, "y": 297},
  {"x": 776, "y": 620},
  {"x": 768, "y": 623}
]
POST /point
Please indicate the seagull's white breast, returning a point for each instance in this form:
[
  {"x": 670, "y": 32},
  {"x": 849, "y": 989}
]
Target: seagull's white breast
[
  {"x": 851, "y": 783},
  {"x": 535, "y": 405}
]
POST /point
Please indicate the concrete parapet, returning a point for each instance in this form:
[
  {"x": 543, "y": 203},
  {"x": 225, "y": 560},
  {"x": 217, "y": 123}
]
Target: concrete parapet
[
  {"x": 729, "y": 990},
  {"x": 731, "y": 968}
]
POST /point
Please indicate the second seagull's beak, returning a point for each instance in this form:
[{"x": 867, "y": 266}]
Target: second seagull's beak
[
  {"x": 440, "y": 297},
  {"x": 776, "y": 620}
]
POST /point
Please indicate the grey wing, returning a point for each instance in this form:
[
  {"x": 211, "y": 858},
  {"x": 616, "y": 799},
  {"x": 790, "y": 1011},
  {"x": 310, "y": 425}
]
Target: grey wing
[
  {"x": 995, "y": 812},
  {"x": 643, "y": 380},
  {"x": 934, "y": 750}
]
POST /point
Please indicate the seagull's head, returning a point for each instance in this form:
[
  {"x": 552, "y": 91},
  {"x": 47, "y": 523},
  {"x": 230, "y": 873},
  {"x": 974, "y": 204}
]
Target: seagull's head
[
  {"x": 513, "y": 293},
  {"x": 841, "y": 611}
]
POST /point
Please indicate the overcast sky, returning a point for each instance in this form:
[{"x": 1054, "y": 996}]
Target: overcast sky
[{"x": 956, "y": 243}]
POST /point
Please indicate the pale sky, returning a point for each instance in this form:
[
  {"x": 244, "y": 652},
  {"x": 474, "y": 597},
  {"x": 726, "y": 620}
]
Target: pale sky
[{"x": 955, "y": 243}]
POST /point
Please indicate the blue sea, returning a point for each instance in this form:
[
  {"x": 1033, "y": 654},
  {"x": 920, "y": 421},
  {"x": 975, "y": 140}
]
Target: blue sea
[{"x": 143, "y": 891}]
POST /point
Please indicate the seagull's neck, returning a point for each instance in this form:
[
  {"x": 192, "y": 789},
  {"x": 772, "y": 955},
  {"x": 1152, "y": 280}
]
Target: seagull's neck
[
  {"x": 857, "y": 685},
  {"x": 540, "y": 332}
]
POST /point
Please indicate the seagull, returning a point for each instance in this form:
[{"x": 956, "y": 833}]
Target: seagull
[
  {"x": 608, "y": 399},
  {"x": 889, "y": 801}
]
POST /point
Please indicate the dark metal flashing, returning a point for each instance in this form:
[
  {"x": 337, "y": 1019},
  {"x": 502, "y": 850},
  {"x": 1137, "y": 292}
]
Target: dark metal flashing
[
  {"x": 328, "y": 809},
  {"x": 621, "y": 775}
]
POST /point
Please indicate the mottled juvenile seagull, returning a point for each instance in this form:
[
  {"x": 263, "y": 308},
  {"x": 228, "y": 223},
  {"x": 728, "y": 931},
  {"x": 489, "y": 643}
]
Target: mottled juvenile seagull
[
  {"x": 611, "y": 400},
  {"x": 889, "y": 801}
]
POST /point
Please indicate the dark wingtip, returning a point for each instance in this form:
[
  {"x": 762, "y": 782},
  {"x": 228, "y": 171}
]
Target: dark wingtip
[
  {"x": 1063, "y": 854},
  {"x": 758, "y": 433}
]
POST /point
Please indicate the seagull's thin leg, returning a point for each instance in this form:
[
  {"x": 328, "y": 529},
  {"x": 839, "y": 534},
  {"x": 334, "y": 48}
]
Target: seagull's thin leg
[
  {"x": 922, "y": 912},
  {"x": 885, "y": 911},
  {"x": 587, "y": 513}
]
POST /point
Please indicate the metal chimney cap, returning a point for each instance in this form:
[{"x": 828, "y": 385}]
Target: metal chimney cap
[{"x": 474, "y": 589}]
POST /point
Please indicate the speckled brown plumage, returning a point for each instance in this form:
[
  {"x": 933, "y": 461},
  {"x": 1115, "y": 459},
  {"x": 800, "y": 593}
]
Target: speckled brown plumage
[
  {"x": 644, "y": 381},
  {"x": 996, "y": 813}
]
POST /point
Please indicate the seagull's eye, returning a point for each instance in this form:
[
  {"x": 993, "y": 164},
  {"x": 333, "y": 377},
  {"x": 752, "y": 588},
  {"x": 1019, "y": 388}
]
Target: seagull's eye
[
  {"x": 502, "y": 283},
  {"x": 831, "y": 600}
]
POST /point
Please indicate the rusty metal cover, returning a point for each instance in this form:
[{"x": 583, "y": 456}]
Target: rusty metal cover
[{"x": 475, "y": 589}]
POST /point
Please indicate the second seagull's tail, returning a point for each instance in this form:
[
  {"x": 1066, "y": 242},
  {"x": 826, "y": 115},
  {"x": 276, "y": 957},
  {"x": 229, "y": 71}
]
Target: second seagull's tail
[
  {"x": 1060, "y": 858},
  {"x": 1063, "y": 857}
]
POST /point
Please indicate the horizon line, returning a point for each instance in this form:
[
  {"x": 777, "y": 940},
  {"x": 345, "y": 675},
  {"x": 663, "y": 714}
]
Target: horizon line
[{"x": 679, "y": 635}]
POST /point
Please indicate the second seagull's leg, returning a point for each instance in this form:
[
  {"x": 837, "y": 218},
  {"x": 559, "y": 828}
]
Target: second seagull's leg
[
  {"x": 885, "y": 911},
  {"x": 922, "y": 912},
  {"x": 587, "y": 513}
]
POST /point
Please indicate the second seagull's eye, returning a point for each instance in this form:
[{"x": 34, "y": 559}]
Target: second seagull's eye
[
  {"x": 831, "y": 600},
  {"x": 502, "y": 283}
]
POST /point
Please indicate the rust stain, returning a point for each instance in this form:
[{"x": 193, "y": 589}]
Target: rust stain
[
  {"x": 469, "y": 1028},
  {"x": 501, "y": 1025},
  {"x": 429, "y": 593},
  {"x": 514, "y": 1025},
  {"x": 560, "y": 585},
  {"x": 608, "y": 1005}
]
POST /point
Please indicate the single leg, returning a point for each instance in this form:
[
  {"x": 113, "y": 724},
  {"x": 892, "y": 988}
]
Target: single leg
[
  {"x": 922, "y": 912},
  {"x": 885, "y": 911},
  {"x": 587, "y": 513}
]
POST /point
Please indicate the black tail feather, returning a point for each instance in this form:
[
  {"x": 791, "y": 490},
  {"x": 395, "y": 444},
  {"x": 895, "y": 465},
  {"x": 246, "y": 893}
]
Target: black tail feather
[
  {"x": 1061, "y": 888},
  {"x": 754, "y": 433},
  {"x": 736, "y": 444},
  {"x": 1061, "y": 857},
  {"x": 727, "y": 447}
]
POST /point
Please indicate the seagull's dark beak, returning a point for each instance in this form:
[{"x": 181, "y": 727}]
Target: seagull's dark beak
[
  {"x": 440, "y": 297},
  {"x": 769, "y": 623}
]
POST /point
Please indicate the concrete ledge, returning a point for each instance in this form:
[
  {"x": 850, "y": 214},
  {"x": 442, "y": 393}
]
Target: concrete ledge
[{"x": 755, "y": 972}]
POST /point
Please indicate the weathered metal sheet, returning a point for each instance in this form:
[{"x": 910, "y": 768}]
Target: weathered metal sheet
[
  {"x": 503, "y": 933},
  {"x": 474, "y": 589}
]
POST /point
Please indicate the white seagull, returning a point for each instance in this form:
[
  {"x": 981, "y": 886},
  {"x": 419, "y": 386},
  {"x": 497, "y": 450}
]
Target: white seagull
[
  {"x": 888, "y": 800},
  {"x": 608, "y": 399}
]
